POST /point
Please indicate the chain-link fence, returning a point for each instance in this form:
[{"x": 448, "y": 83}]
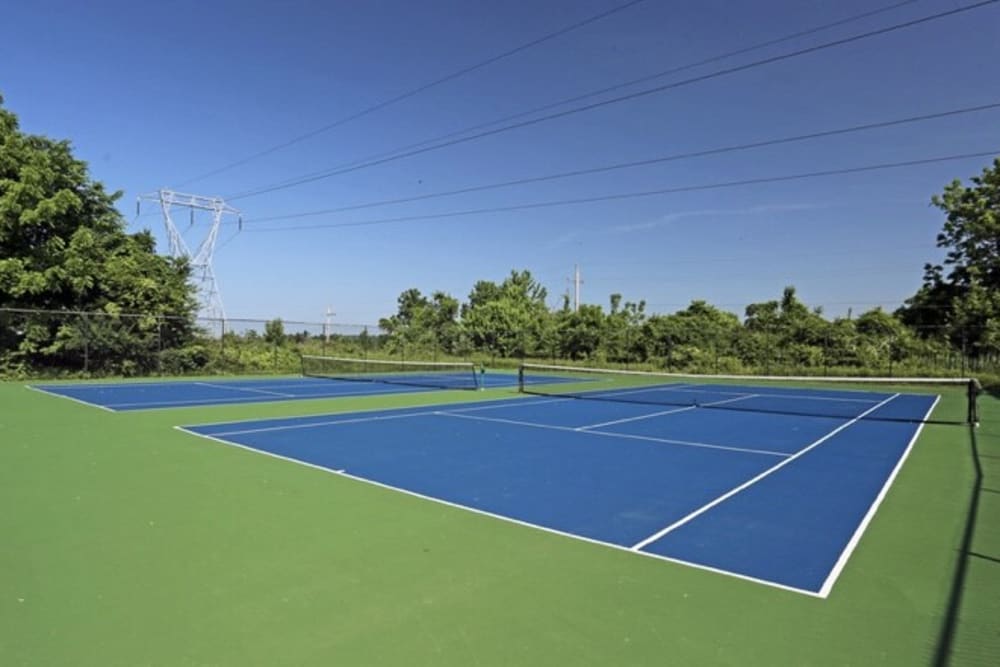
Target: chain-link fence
[
  {"x": 838, "y": 350},
  {"x": 243, "y": 345},
  {"x": 67, "y": 343},
  {"x": 74, "y": 343}
]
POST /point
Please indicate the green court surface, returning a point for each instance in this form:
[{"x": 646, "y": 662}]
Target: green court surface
[{"x": 127, "y": 542}]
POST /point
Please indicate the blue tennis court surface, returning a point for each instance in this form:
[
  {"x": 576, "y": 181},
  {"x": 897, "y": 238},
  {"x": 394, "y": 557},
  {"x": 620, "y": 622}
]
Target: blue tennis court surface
[
  {"x": 121, "y": 396},
  {"x": 774, "y": 498}
]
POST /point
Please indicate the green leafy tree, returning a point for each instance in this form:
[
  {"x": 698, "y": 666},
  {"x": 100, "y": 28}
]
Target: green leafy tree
[
  {"x": 582, "y": 332},
  {"x": 960, "y": 297},
  {"x": 442, "y": 318},
  {"x": 364, "y": 341},
  {"x": 408, "y": 327},
  {"x": 692, "y": 339},
  {"x": 622, "y": 336},
  {"x": 424, "y": 324},
  {"x": 274, "y": 332},
  {"x": 783, "y": 334},
  {"x": 63, "y": 247},
  {"x": 510, "y": 319}
]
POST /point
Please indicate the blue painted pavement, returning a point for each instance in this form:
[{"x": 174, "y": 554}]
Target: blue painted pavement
[{"x": 770, "y": 497}]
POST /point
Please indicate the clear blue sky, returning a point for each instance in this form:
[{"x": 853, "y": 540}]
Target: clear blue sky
[{"x": 154, "y": 94}]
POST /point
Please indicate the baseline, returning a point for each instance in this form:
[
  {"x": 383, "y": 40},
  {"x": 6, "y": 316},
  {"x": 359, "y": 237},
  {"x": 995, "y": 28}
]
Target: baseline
[
  {"x": 40, "y": 390},
  {"x": 501, "y": 517}
]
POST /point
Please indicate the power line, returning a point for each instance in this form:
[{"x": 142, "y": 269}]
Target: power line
[
  {"x": 619, "y": 86},
  {"x": 740, "y": 304},
  {"x": 615, "y": 100},
  {"x": 757, "y": 272},
  {"x": 675, "y": 260},
  {"x": 637, "y": 163},
  {"x": 415, "y": 91},
  {"x": 635, "y": 195}
]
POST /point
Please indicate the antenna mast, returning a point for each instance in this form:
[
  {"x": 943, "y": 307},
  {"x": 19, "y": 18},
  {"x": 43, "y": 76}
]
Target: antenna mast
[{"x": 202, "y": 273}]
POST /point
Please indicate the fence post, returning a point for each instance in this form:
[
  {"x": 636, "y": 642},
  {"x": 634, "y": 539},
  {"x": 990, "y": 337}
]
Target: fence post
[
  {"x": 892, "y": 352},
  {"x": 86, "y": 344},
  {"x": 826, "y": 353},
  {"x": 963, "y": 352},
  {"x": 628, "y": 348},
  {"x": 767, "y": 353},
  {"x": 159, "y": 345}
]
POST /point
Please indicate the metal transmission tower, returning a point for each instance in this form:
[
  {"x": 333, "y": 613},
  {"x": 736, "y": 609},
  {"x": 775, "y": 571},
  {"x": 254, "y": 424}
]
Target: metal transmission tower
[{"x": 209, "y": 299}]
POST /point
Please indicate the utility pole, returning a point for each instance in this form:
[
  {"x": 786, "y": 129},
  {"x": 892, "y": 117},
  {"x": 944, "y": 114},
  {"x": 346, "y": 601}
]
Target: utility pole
[
  {"x": 576, "y": 288},
  {"x": 327, "y": 322},
  {"x": 575, "y": 280}
]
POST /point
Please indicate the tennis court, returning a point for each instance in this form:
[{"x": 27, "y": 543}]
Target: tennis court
[
  {"x": 778, "y": 490},
  {"x": 126, "y": 396},
  {"x": 324, "y": 377},
  {"x": 816, "y": 520}
]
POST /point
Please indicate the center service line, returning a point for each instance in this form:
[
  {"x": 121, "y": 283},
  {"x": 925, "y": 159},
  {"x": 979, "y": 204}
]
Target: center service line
[{"x": 729, "y": 494}]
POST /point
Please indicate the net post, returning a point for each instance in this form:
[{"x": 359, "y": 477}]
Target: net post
[
  {"x": 974, "y": 389},
  {"x": 520, "y": 379}
]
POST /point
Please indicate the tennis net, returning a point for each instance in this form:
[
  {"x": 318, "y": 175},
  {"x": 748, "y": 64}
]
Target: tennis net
[
  {"x": 432, "y": 374},
  {"x": 928, "y": 400}
]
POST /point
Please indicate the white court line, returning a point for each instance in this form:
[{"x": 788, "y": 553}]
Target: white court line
[
  {"x": 509, "y": 402},
  {"x": 632, "y": 419},
  {"x": 627, "y": 436},
  {"x": 196, "y": 403},
  {"x": 729, "y": 494},
  {"x": 709, "y": 389},
  {"x": 249, "y": 389},
  {"x": 123, "y": 383},
  {"x": 486, "y": 405},
  {"x": 189, "y": 403},
  {"x": 625, "y": 392},
  {"x": 664, "y": 412},
  {"x": 831, "y": 578},
  {"x": 794, "y": 397},
  {"x": 304, "y": 384},
  {"x": 501, "y": 517},
  {"x": 69, "y": 398},
  {"x": 283, "y": 383},
  {"x": 332, "y": 422}
]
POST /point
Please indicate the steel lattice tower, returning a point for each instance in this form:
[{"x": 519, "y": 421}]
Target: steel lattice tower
[{"x": 202, "y": 273}]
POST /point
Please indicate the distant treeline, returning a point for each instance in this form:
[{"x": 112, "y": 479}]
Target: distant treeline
[{"x": 511, "y": 320}]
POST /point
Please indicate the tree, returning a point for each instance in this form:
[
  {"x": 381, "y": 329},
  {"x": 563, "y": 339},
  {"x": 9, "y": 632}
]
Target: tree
[
  {"x": 784, "y": 332},
  {"x": 621, "y": 339},
  {"x": 274, "y": 332},
  {"x": 424, "y": 323},
  {"x": 63, "y": 247},
  {"x": 510, "y": 319},
  {"x": 961, "y": 296},
  {"x": 693, "y": 338},
  {"x": 581, "y": 333},
  {"x": 408, "y": 327},
  {"x": 364, "y": 341}
]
